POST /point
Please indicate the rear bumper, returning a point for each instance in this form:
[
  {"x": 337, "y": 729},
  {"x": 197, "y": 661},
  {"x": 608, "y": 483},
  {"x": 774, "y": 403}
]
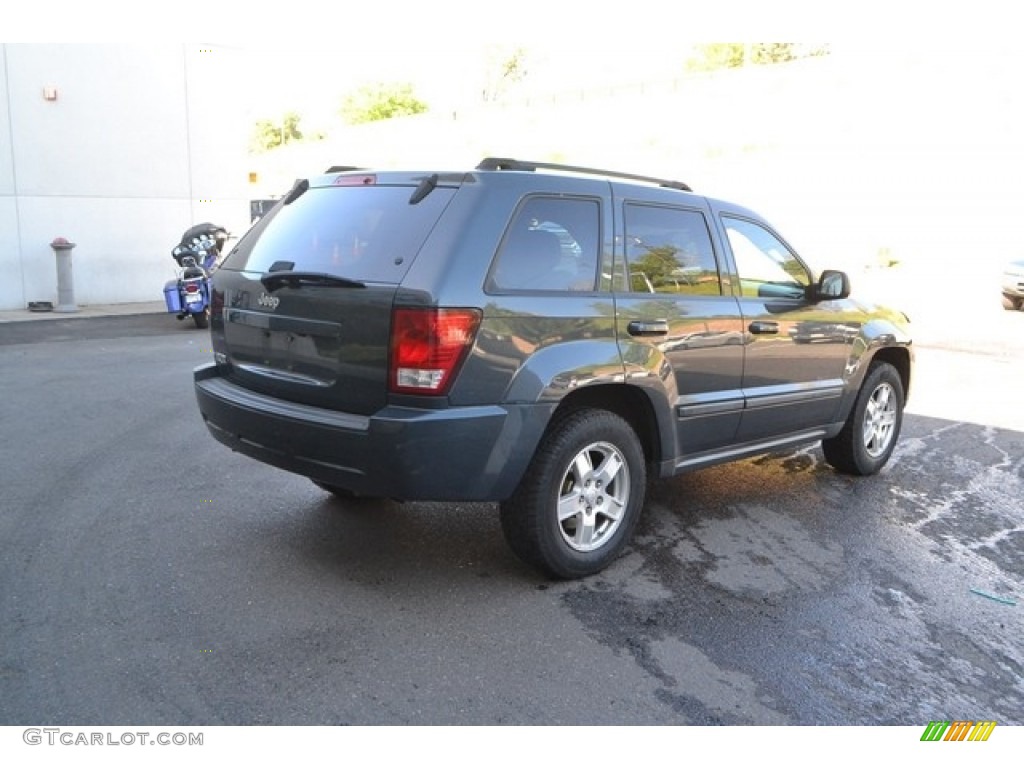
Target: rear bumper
[{"x": 474, "y": 453}]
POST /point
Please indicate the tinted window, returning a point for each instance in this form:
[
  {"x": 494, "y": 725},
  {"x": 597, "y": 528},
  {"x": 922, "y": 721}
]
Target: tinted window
[
  {"x": 765, "y": 265},
  {"x": 669, "y": 251},
  {"x": 364, "y": 233},
  {"x": 551, "y": 245}
]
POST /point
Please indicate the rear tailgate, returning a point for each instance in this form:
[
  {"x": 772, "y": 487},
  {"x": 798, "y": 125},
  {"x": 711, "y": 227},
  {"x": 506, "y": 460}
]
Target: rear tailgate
[{"x": 307, "y": 295}]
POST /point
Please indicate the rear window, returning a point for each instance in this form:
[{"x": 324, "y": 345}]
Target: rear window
[{"x": 367, "y": 233}]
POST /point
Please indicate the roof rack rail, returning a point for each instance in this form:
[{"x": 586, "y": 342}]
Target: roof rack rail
[
  {"x": 510, "y": 164},
  {"x": 343, "y": 168}
]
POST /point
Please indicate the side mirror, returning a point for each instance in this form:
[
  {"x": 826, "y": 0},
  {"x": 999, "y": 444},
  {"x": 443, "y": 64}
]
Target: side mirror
[{"x": 832, "y": 284}]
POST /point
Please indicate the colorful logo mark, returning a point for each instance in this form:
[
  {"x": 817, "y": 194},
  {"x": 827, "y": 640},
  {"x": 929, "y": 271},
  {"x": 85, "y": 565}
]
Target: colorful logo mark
[{"x": 958, "y": 730}]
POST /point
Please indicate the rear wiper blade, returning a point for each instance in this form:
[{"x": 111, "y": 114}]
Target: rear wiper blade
[
  {"x": 274, "y": 280},
  {"x": 426, "y": 186}
]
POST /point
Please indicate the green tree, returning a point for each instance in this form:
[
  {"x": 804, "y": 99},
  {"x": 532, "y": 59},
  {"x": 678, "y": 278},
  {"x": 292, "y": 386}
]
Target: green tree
[
  {"x": 660, "y": 264},
  {"x": 381, "y": 102},
  {"x": 503, "y": 69},
  {"x": 268, "y": 134},
  {"x": 712, "y": 56}
]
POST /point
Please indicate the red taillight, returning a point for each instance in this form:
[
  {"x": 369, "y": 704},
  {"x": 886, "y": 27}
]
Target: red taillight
[
  {"x": 427, "y": 347},
  {"x": 191, "y": 287}
]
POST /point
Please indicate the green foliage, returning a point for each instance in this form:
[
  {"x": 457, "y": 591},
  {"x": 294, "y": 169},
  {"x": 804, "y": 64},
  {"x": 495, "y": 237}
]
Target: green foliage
[
  {"x": 660, "y": 264},
  {"x": 504, "y": 69},
  {"x": 381, "y": 102},
  {"x": 712, "y": 56},
  {"x": 268, "y": 134}
]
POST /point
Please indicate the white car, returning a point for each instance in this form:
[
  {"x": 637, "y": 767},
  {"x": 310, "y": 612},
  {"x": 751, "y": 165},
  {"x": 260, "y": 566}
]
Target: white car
[{"x": 1013, "y": 285}]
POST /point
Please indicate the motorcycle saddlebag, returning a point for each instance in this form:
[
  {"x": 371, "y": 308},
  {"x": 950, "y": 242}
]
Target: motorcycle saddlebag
[{"x": 172, "y": 296}]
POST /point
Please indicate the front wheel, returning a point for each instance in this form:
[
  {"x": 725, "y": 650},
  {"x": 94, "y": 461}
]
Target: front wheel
[
  {"x": 870, "y": 433},
  {"x": 579, "y": 501}
]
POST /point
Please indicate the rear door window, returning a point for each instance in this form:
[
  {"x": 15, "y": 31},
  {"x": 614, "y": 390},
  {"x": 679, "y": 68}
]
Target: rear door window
[
  {"x": 368, "y": 233},
  {"x": 551, "y": 245}
]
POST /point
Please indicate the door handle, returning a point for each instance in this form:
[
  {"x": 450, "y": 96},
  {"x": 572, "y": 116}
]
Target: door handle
[
  {"x": 647, "y": 328},
  {"x": 763, "y": 327}
]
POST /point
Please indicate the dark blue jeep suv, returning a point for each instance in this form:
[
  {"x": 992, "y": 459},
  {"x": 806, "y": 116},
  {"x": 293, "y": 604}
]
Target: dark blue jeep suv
[{"x": 543, "y": 336}]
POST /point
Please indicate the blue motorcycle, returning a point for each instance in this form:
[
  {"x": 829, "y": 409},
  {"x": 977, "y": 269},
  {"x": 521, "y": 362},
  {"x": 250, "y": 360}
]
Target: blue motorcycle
[{"x": 188, "y": 295}]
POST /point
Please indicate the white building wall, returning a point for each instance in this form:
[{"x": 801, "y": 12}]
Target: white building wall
[
  {"x": 11, "y": 289},
  {"x": 140, "y": 143}
]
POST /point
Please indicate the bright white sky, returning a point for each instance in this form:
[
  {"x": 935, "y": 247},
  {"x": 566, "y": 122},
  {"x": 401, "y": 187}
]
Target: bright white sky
[
  {"x": 313, "y": 22},
  {"x": 439, "y": 45},
  {"x": 439, "y": 24}
]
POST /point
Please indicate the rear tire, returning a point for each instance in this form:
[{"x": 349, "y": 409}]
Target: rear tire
[
  {"x": 580, "y": 499},
  {"x": 1011, "y": 302},
  {"x": 870, "y": 433},
  {"x": 202, "y": 319}
]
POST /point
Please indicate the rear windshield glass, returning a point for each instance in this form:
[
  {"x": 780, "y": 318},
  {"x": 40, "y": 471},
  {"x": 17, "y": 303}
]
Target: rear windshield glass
[{"x": 362, "y": 233}]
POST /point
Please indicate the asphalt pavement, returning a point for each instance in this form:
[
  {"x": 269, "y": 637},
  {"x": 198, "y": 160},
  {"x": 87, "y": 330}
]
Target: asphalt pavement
[{"x": 150, "y": 576}]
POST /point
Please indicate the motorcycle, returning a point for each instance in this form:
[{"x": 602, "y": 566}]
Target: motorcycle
[{"x": 188, "y": 295}]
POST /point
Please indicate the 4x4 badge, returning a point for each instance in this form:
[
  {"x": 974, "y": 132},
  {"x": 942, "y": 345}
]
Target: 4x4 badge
[{"x": 265, "y": 300}]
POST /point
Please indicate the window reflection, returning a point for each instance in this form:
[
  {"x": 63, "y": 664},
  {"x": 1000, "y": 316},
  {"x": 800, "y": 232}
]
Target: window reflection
[{"x": 669, "y": 251}]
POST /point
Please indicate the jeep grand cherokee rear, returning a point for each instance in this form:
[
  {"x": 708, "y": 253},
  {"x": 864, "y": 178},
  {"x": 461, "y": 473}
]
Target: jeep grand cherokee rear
[
  {"x": 543, "y": 340},
  {"x": 326, "y": 367}
]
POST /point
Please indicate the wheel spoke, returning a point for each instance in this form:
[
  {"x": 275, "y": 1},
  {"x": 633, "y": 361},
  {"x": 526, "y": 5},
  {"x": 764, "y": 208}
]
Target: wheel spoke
[
  {"x": 614, "y": 508},
  {"x": 882, "y": 398},
  {"x": 568, "y": 507},
  {"x": 609, "y": 470},
  {"x": 582, "y": 467},
  {"x": 868, "y": 431},
  {"x": 584, "y": 531}
]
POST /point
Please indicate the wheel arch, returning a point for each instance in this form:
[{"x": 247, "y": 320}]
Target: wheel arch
[
  {"x": 630, "y": 403},
  {"x": 899, "y": 358}
]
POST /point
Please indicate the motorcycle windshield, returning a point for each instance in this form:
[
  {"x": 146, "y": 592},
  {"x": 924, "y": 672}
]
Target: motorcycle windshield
[
  {"x": 206, "y": 228},
  {"x": 308, "y": 293}
]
